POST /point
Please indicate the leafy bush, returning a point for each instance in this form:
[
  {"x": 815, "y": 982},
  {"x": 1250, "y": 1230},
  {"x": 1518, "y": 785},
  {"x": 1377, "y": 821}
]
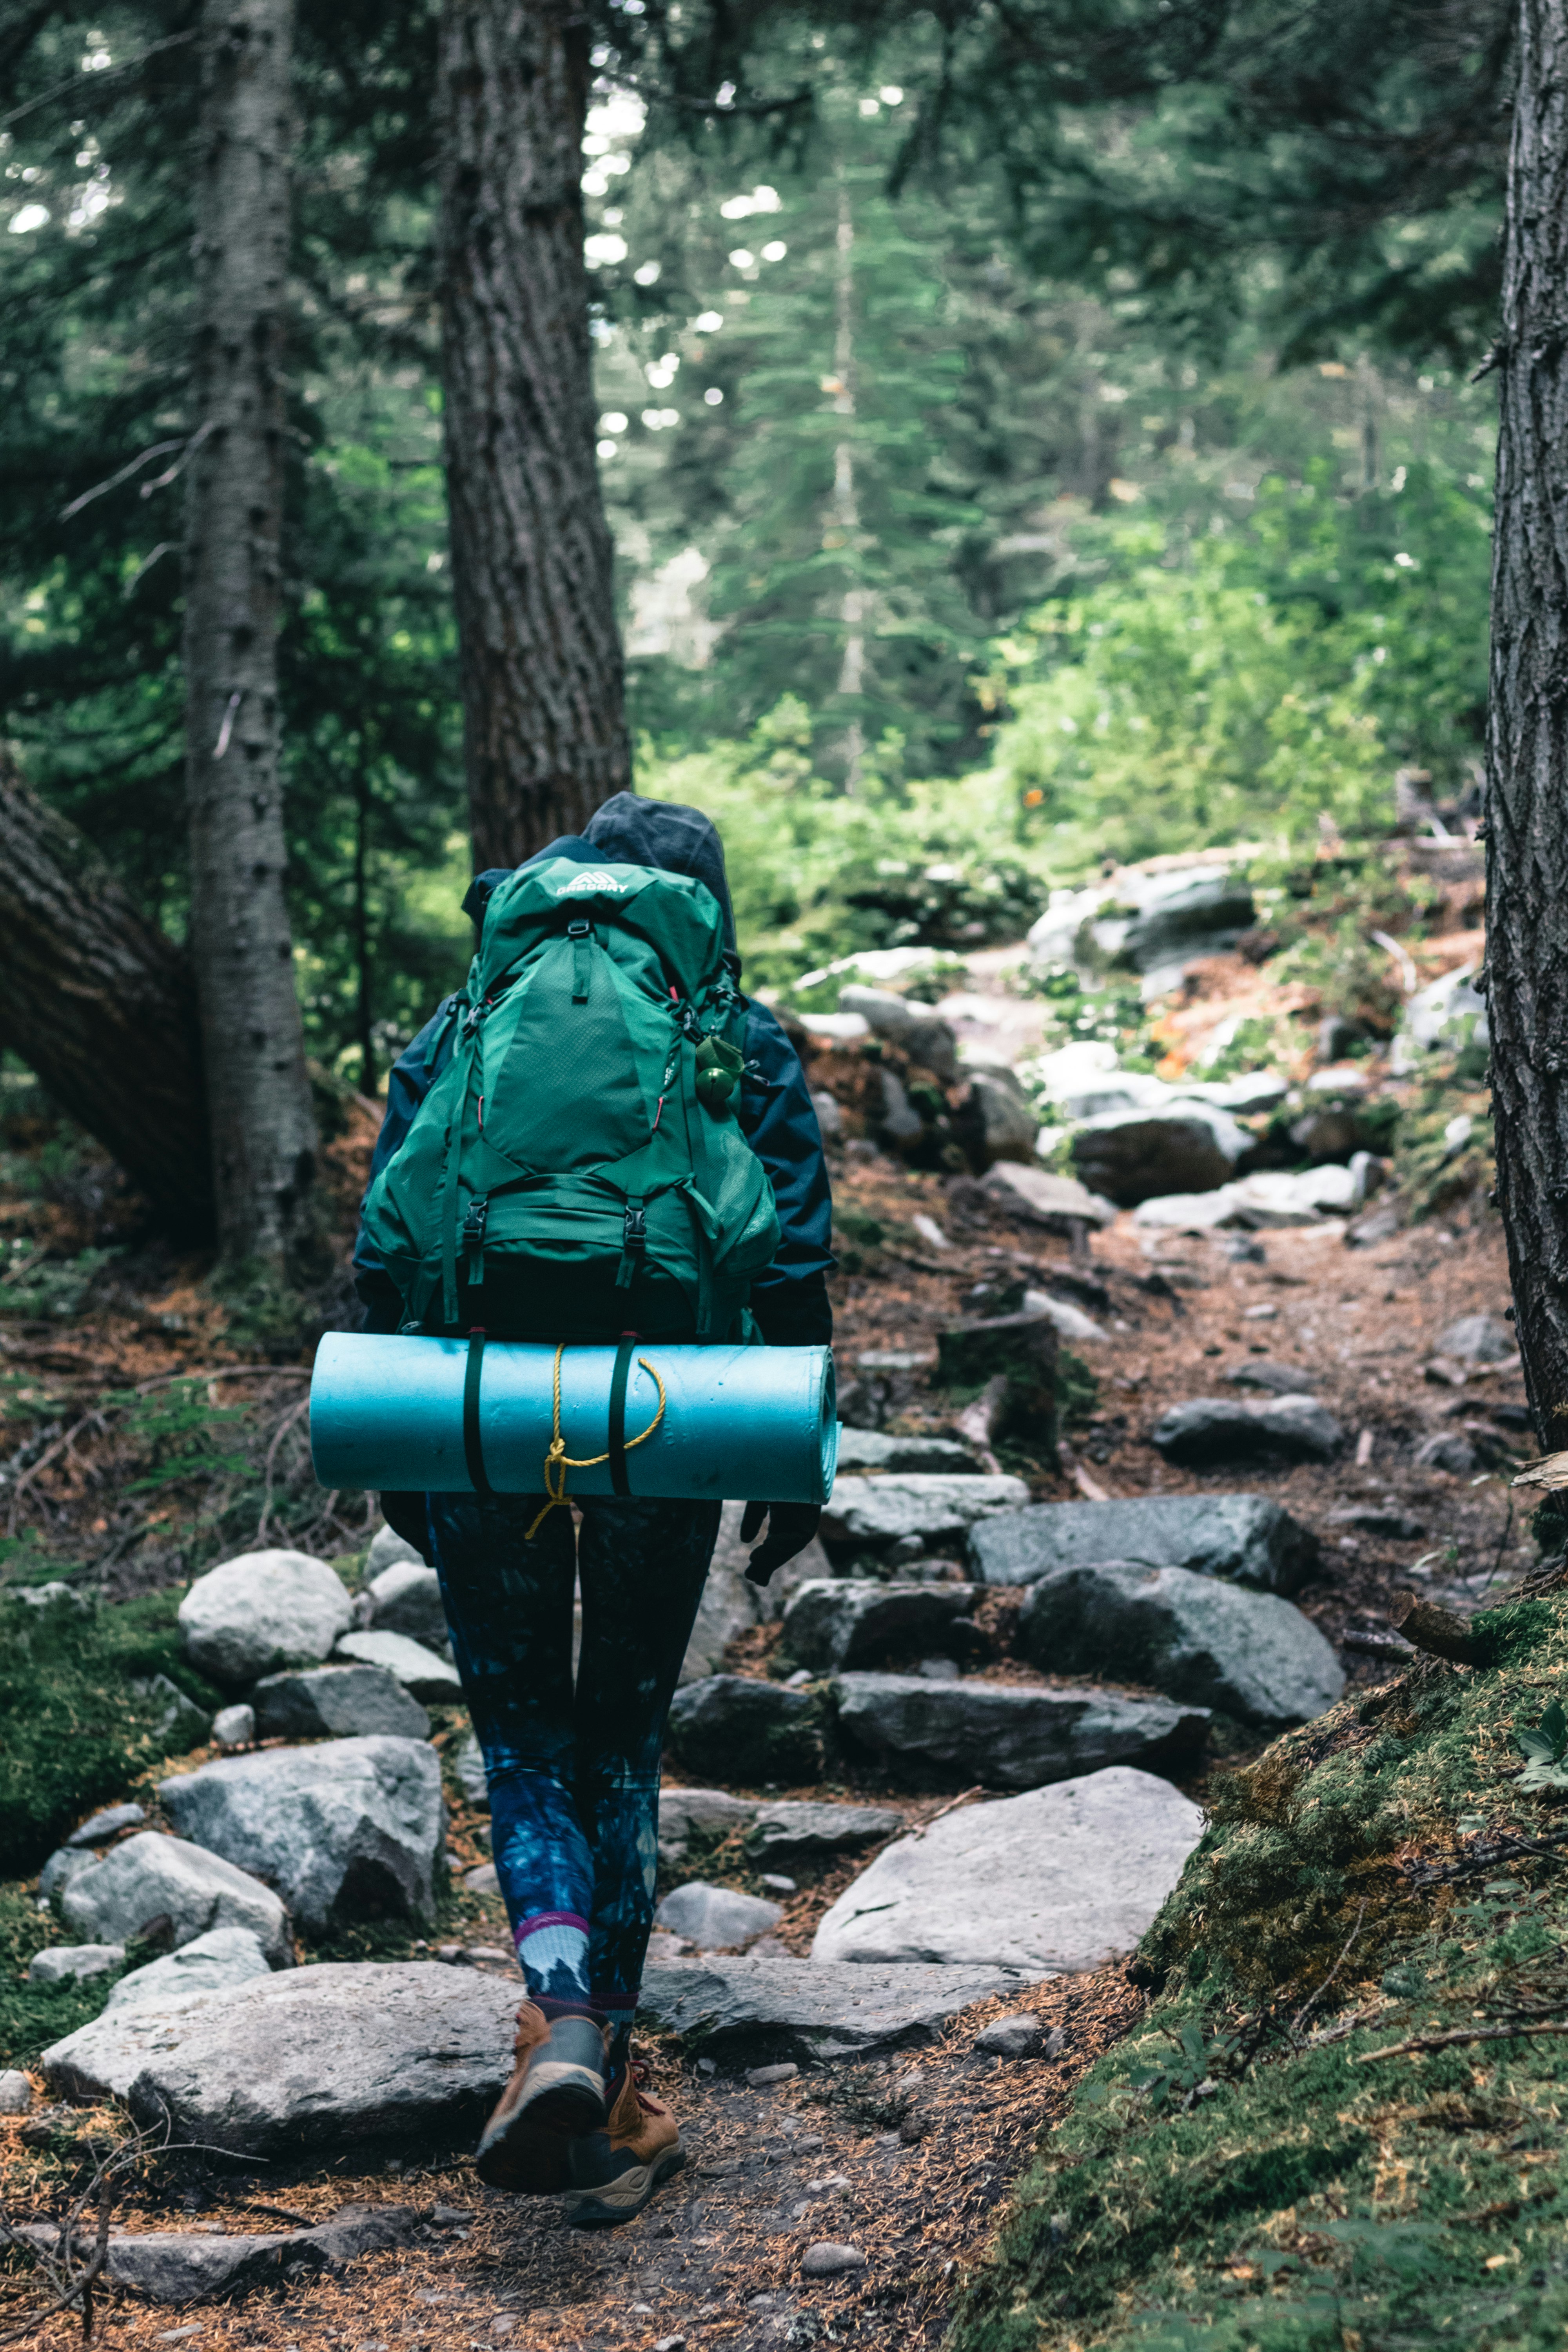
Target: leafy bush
[{"x": 72, "y": 1732}]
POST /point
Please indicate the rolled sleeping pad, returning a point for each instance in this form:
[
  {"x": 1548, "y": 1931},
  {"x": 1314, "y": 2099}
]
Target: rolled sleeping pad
[{"x": 400, "y": 1413}]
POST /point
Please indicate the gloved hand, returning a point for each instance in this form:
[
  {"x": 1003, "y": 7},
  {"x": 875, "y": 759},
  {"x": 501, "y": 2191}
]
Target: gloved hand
[{"x": 791, "y": 1526}]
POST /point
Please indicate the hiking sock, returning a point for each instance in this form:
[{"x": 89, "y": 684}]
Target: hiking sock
[{"x": 553, "y": 1953}]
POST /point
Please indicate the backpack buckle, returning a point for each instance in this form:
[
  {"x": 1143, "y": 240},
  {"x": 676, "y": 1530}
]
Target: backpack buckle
[
  {"x": 578, "y": 929},
  {"x": 474, "y": 1217},
  {"x": 633, "y": 1241}
]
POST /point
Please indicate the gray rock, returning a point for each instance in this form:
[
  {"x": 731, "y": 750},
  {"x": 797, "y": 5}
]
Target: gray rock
[
  {"x": 1479, "y": 1339},
  {"x": 914, "y": 1028},
  {"x": 827, "y": 2260},
  {"x": 734, "y": 1728},
  {"x": 389, "y": 1549},
  {"x": 871, "y": 1449},
  {"x": 1197, "y": 916},
  {"x": 349, "y": 1832},
  {"x": 1196, "y": 1637},
  {"x": 177, "y": 2266},
  {"x": 71, "y": 1963},
  {"x": 1063, "y": 1879},
  {"x": 317, "y": 2061},
  {"x": 874, "y": 1514},
  {"x": 1018, "y": 2036},
  {"x": 234, "y": 1726},
  {"x": 151, "y": 1877},
  {"x": 1212, "y": 1433},
  {"x": 1377, "y": 1519},
  {"x": 1138, "y": 1155},
  {"x": 1278, "y": 1379},
  {"x": 229, "y": 1956},
  {"x": 804, "y": 1831},
  {"x": 405, "y": 1598},
  {"x": 336, "y": 1703},
  {"x": 484, "y": 1879},
  {"x": 266, "y": 1610},
  {"x": 1446, "y": 1014},
  {"x": 996, "y": 1120},
  {"x": 1241, "y": 1536},
  {"x": 1038, "y": 1198},
  {"x": 182, "y": 1724},
  {"x": 1008, "y": 1735},
  {"x": 64, "y": 1864},
  {"x": 681, "y": 1810},
  {"x": 749, "y": 2012},
  {"x": 1070, "y": 1322},
  {"x": 728, "y": 1607},
  {"x": 844, "y": 1621},
  {"x": 54, "y": 1596},
  {"x": 98, "y": 1828},
  {"x": 468, "y": 1764},
  {"x": 16, "y": 2093},
  {"x": 1455, "y": 1454},
  {"x": 716, "y": 1918},
  {"x": 731, "y": 1557},
  {"x": 423, "y": 1674},
  {"x": 1273, "y": 1198}
]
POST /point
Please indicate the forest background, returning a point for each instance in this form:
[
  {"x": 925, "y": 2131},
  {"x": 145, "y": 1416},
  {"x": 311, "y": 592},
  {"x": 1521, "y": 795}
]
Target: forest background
[{"x": 974, "y": 524}]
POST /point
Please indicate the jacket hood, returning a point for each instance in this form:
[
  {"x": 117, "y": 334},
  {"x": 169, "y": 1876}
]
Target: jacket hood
[{"x": 664, "y": 833}]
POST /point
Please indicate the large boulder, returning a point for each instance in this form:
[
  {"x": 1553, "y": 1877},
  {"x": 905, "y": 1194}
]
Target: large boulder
[
  {"x": 1008, "y": 1735},
  {"x": 913, "y": 1027},
  {"x": 405, "y": 1598},
  {"x": 314, "y": 2062},
  {"x": 350, "y": 1831},
  {"x": 735, "y": 1727},
  {"x": 335, "y": 1703},
  {"x": 845, "y": 1621},
  {"x": 1241, "y": 1536},
  {"x": 749, "y": 2013},
  {"x": 423, "y": 1675},
  {"x": 797, "y": 1829},
  {"x": 934, "y": 1513},
  {"x": 716, "y": 1918},
  {"x": 1219, "y": 1432},
  {"x": 266, "y": 1610},
  {"x": 1063, "y": 1879},
  {"x": 210, "y": 1963},
  {"x": 1035, "y": 1197},
  {"x": 1135, "y": 1155},
  {"x": 150, "y": 1879},
  {"x": 1248, "y": 1654}
]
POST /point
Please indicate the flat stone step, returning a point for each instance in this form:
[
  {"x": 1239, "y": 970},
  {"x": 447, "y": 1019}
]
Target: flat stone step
[{"x": 756, "y": 2011}]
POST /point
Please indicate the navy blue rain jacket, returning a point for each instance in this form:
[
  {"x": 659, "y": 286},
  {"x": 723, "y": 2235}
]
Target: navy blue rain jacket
[{"x": 790, "y": 1299}]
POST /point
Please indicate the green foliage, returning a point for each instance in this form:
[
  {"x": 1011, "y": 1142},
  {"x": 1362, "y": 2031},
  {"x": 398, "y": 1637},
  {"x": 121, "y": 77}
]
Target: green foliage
[
  {"x": 1545, "y": 1750},
  {"x": 172, "y": 1430},
  {"x": 34, "y": 1284},
  {"x": 1076, "y": 1390},
  {"x": 32, "y": 2016},
  {"x": 72, "y": 1732}
]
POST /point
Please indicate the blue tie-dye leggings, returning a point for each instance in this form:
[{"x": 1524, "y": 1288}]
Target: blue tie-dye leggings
[{"x": 573, "y": 1776}]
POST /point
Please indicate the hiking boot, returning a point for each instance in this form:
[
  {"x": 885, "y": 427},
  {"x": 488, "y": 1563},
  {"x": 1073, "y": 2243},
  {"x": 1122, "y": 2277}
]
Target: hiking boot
[
  {"x": 620, "y": 2167},
  {"x": 556, "y": 2092}
]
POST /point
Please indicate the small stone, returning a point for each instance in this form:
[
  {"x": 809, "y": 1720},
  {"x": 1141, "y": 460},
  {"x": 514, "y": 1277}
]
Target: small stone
[
  {"x": 761, "y": 2078},
  {"x": 466, "y": 1760},
  {"x": 1020, "y": 2036},
  {"x": 483, "y": 1880},
  {"x": 1264, "y": 1314},
  {"x": 775, "y": 1883},
  {"x": 234, "y": 1726},
  {"x": 70, "y": 1963},
  {"x": 1208, "y": 1432},
  {"x": 1478, "y": 1339},
  {"x": 98, "y": 1828},
  {"x": 1378, "y": 1519},
  {"x": 423, "y": 1675},
  {"x": 335, "y": 1702},
  {"x": 716, "y": 1918},
  {"x": 938, "y": 1670},
  {"x": 1278, "y": 1379},
  {"x": 825, "y": 2259},
  {"x": 1456, "y": 1455},
  {"x": 149, "y": 1877},
  {"x": 16, "y": 2093}
]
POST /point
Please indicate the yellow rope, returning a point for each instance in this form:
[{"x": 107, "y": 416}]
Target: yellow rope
[{"x": 557, "y": 1462}]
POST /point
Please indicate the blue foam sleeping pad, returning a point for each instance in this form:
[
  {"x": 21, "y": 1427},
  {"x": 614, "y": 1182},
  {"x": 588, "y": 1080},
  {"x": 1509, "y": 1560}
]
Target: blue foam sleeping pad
[{"x": 387, "y": 1413}]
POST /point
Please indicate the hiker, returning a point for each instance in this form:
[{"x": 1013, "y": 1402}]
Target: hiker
[{"x": 573, "y": 1776}]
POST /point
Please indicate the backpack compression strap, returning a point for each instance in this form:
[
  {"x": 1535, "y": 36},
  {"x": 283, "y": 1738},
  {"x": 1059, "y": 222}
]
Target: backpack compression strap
[
  {"x": 619, "y": 1378},
  {"x": 473, "y": 1451}
]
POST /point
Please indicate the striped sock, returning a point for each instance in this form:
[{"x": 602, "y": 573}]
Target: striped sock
[{"x": 553, "y": 1953}]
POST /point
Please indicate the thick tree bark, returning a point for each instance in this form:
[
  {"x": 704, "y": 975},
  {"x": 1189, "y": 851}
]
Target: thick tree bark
[
  {"x": 263, "y": 1128},
  {"x": 1527, "y": 735},
  {"x": 543, "y": 690},
  {"x": 103, "y": 1009}
]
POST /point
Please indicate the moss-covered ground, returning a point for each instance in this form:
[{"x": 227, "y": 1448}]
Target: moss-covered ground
[{"x": 1338, "y": 2125}]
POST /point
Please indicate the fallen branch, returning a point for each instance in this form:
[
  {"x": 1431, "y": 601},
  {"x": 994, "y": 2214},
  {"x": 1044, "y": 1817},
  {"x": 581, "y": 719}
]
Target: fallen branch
[
  {"x": 1512, "y": 1846},
  {"x": 952, "y": 1806},
  {"x": 1439, "y": 1632},
  {"x": 1461, "y": 2034}
]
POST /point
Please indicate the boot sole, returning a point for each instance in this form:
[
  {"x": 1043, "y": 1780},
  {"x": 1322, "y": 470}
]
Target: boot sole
[
  {"x": 529, "y": 2154},
  {"x": 623, "y": 2200}
]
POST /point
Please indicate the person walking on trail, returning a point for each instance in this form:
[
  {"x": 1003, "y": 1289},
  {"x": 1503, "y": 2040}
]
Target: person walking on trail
[{"x": 598, "y": 1136}]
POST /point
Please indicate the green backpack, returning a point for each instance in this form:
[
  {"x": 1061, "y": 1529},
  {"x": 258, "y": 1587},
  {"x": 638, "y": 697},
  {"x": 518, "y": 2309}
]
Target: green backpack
[{"x": 576, "y": 1170}]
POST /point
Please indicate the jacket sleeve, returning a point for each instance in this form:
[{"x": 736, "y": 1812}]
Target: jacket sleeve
[
  {"x": 790, "y": 1301},
  {"x": 413, "y": 1076}
]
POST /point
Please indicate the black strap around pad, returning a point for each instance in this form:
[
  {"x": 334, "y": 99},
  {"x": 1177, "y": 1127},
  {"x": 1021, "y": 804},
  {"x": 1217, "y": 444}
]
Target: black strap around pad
[
  {"x": 618, "y": 1479},
  {"x": 473, "y": 1451}
]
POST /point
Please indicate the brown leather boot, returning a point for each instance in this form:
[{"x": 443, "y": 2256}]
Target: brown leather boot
[
  {"x": 556, "y": 2092},
  {"x": 620, "y": 2167}
]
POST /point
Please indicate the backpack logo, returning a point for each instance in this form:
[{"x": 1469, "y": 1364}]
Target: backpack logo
[{"x": 584, "y": 885}]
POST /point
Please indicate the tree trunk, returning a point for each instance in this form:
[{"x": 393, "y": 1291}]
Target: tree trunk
[
  {"x": 103, "y": 1009},
  {"x": 544, "y": 687},
  {"x": 1527, "y": 728},
  {"x": 263, "y": 1127}
]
